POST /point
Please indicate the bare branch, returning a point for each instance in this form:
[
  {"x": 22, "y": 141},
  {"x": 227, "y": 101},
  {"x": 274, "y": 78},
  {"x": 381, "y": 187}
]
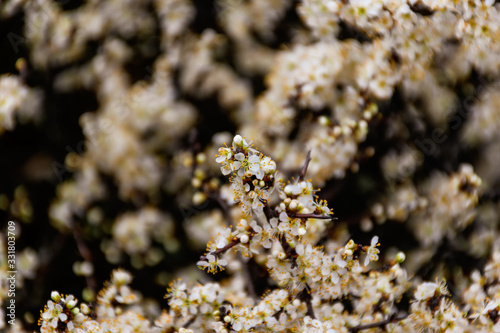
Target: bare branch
[
  {"x": 391, "y": 319},
  {"x": 312, "y": 216},
  {"x": 302, "y": 174},
  {"x": 305, "y": 296},
  {"x": 190, "y": 321},
  {"x": 289, "y": 251},
  {"x": 224, "y": 249},
  {"x": 248, "y": 278}
]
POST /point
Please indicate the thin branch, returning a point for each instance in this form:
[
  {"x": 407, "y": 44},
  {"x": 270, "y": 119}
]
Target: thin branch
[
  {"x": 224, "y": 249},
  {"x": 302, "y": 174},
  {"x": 312, "y": 216},
  {"x": 289, "y": 251},
  {"x": 248, "y": 279},
  {"x": 305, "y": 296},
  {"x": 190, "y": 321},
  {"x": 391, "y": 319},
  {"x": 310, "y": 310},
  {"x": 269, "y": 212},
  {"x": 277, "y": 314}
]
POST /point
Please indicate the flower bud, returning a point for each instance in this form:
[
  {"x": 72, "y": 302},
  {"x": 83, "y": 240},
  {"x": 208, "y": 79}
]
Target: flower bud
[
  {"x": 201, "y": 158},
  {"x": 199, "y": 198},
  {"x": 237, "y": 140},
  {"x": 400, "y": 257},
  {"x": 196, "y": 182},
  {"x": 324, "y": 121},
  {"x": 346, "y": 130},
  {"x": 55, "y": 296},
  {"x": 71, "y": 304},
  {"x": 244, "y": 239},
  {"x": 199, "y": 173},
  {"x": 85, "y": 308}
]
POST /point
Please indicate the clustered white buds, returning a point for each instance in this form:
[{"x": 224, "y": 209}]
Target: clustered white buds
[
  {"x": 299, "y": 200},
  {"x": 253, "y": 178},
  {"x": 60, "y": 312},
  {"x": 310, "y": 268}
]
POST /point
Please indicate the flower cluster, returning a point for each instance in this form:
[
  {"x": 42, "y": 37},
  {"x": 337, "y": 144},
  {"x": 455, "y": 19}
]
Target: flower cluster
[
  {"x": 254, "y": 180},
  {"x": 111, "y": 312},
  {"x": 61, "y": 314},
  {"x": 316, "y": 288},
  {"x": 17, "y": 102},
  {"x": 254, "y": 175},
  {"x": 210, "y": 307}
]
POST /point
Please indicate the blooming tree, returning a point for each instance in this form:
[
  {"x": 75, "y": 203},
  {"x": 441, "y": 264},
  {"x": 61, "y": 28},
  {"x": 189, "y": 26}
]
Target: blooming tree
[
  {"x": 111, "y": 113},
  {"x": 314, "y": 288}
]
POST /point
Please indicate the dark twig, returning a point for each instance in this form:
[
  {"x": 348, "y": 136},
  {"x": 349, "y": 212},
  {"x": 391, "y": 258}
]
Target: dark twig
[
  {"x": 190, "y": 321},
  {"x": 310, "y": 310},
  {"x": 302, "y": 174},
  {"x": 305, "y": 296},
  {"x": 248, "y": 279},
  {"x": 224, "y": 249},
  {"x": 312, "y": 216},
  {"x": 391, "y": 319},
  {"x": 290, "y": 252},
  {"x": 269, "y": 212}
]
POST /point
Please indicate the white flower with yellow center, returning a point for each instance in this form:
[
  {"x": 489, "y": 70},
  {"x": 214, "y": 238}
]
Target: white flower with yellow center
[
  {"x": 372, "y": 252},
  {"x": 53, "y": 313}
]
